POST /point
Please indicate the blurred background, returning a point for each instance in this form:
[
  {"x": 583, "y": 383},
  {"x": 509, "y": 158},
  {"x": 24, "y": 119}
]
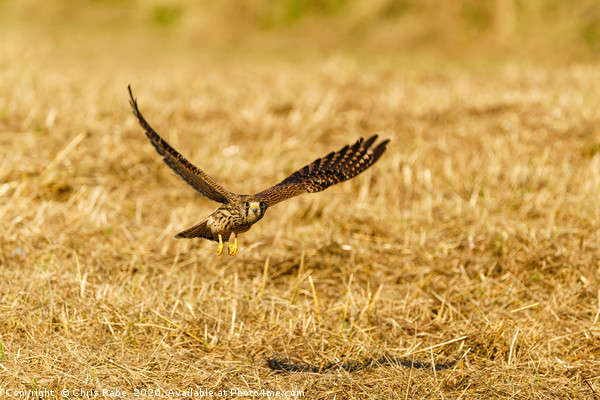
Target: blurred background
[{"x": 406, "y": 30}]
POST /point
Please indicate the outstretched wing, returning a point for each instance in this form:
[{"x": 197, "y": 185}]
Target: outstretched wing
[
  {"x": 194, "y": 176},
  {"x": 334, "y": 168}
]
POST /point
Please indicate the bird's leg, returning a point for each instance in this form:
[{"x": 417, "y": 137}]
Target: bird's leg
[
  {"x": 233, "y": 247},
  {"x": 220, "y": 248}
]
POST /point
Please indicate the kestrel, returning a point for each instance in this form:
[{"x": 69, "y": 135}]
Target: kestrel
[{"x": 239, "y": 211}]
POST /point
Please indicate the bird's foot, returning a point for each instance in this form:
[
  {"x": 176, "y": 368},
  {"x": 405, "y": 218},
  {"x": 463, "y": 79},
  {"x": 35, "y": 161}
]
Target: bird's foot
[
  {"x": 233, "y": 247},
  {"x": 232, "y": 250},
  {"x": 220, "y": 248}
]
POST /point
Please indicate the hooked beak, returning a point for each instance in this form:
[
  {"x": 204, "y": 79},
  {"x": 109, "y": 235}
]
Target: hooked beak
[{"x": 254, "y": 208}]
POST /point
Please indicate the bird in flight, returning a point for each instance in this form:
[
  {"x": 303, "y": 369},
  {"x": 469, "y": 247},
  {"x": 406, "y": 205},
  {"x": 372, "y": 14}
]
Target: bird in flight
[{"x": 239, "y": 211}]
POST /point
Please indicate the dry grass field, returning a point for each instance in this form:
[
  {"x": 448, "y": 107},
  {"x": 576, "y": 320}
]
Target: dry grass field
[{"x": 475, "y": 239}]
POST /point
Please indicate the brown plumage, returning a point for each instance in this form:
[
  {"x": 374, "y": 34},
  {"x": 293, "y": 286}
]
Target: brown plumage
[{"x": 239, "y": 212}]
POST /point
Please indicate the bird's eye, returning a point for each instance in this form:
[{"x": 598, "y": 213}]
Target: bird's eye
[
  {"x": 262, "y": 204},
  {"x": 247, "y": 205}
]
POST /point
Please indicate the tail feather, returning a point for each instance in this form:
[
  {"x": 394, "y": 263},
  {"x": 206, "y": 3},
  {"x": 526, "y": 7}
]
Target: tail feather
[{"x": 201, "y": 230}]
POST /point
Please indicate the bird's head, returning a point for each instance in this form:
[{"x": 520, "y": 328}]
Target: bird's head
[{"x": 254, "y": 209}]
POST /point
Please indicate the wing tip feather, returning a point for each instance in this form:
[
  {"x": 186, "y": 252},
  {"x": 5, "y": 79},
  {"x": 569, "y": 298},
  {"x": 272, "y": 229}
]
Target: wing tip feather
[
  {"x": 132, "y": 100},
  {"x": 380, "y": 149}
]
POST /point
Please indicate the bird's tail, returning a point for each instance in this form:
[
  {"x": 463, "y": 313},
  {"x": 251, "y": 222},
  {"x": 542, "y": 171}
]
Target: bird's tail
[{"x": 201, "y": 230}]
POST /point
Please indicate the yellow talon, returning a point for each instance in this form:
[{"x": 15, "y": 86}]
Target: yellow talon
[
  {"x": 233, "y": 247},
  {"x": 220, "y": 248}
]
